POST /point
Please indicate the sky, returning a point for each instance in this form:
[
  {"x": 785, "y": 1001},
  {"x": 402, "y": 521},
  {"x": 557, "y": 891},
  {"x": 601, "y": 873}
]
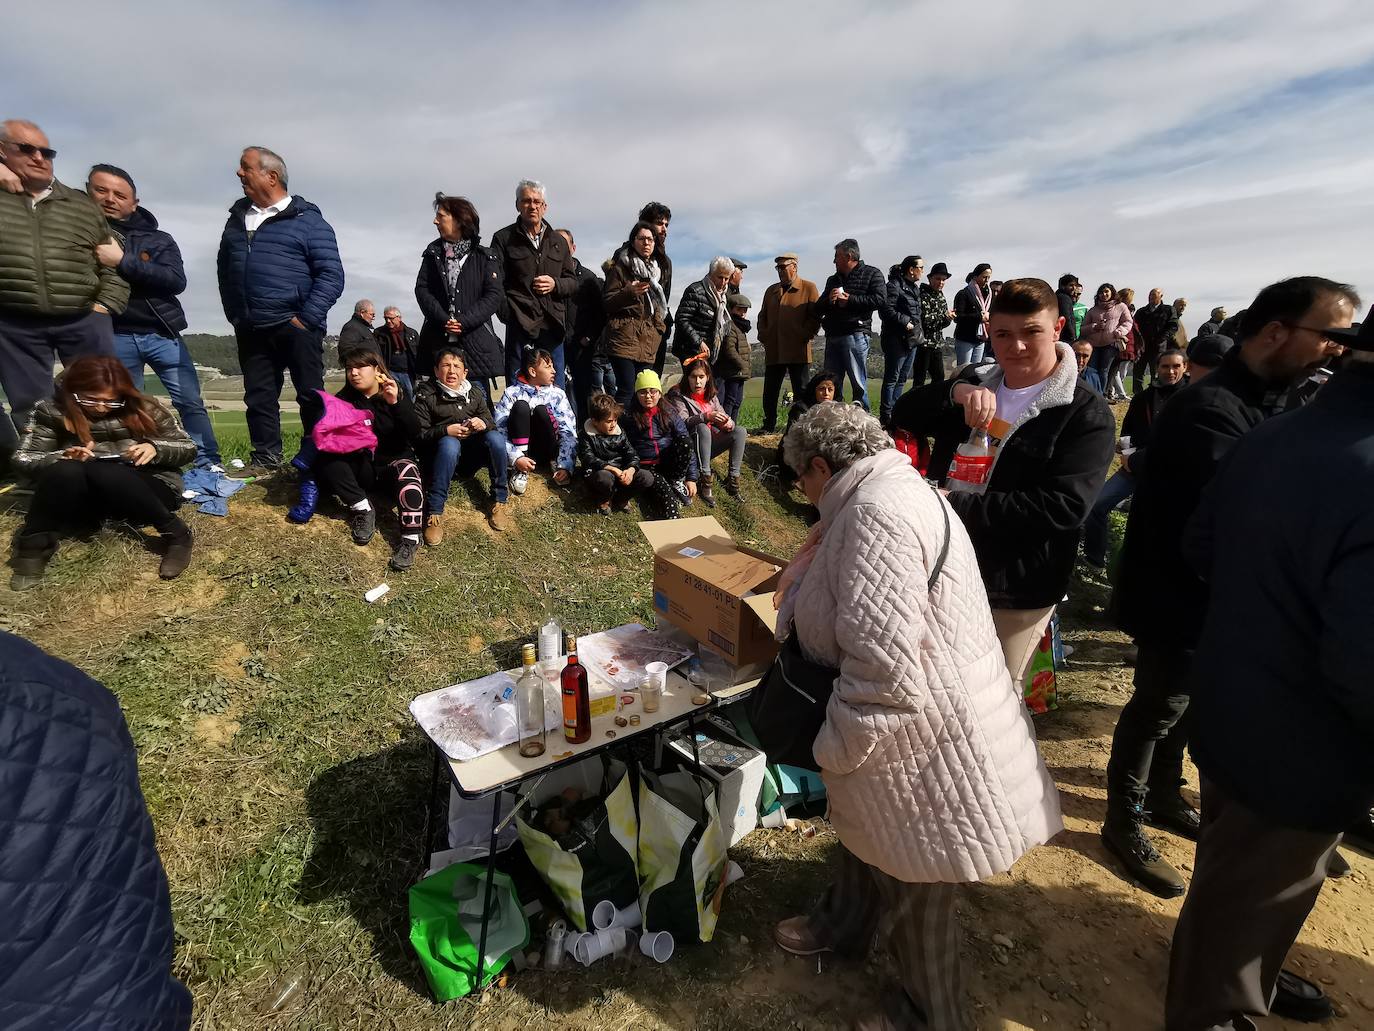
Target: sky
[{"x": 1205, "y": 149}]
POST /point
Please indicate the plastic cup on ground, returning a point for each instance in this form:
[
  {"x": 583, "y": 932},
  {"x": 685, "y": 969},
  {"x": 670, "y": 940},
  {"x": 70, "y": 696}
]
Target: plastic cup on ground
[
  {"x": 606, "y": 916},
  {"x": 657, "y": 945},
  {"x": 595, "y": 945},
  {"x": 774, "y": 820}
]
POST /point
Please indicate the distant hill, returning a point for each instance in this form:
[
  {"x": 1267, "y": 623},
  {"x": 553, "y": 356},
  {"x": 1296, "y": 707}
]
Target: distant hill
[{"x": 222, "y": 352}]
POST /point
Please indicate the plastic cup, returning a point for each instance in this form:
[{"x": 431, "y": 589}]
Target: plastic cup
[
  {"x": 605, "y": 916},
  {"x": 774, "y": 820},
  {"x": 595, "y": 945},
  {"x": 650, "y": 694},
  {"x": 658, "y": 673},
  {"x": 657, "y": 945}
]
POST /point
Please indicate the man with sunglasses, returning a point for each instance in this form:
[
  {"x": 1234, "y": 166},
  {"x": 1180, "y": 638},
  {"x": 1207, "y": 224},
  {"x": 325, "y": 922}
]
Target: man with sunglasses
[
  {"x": 1160, "y": 600},
  {"x": 56, "y": 298}
]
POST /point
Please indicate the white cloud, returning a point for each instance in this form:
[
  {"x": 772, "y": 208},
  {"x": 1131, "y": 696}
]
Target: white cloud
[{"x": 1207, "y": 149}]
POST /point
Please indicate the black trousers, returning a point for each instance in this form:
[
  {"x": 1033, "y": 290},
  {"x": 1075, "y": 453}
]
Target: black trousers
[
  {"x": 1152, "y": 731},
  {"x": 266, "y": 355},
  {"x": 535, "y": 429},
  {"x": 929, "y": 366},
  {"x": 772, "y": 387},
  {"x": 626, "y": 370},
  {"x": 77, "y": 495},
  {"x": 354, "y": 475},
  {"x": 671, "y": 468},
  {"x": 603, "y": 486}
]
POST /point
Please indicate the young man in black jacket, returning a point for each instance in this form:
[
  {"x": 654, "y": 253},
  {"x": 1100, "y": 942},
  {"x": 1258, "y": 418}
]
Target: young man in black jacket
[
  {"x": 1052, "y": 437},
  {"x": 148, "y": 331},
  {"x": 585, "y": 320},
  {"x": 1285, "y": 536},
  {"x": 1160, "y": 602},
  {"x": 846, "y": 306}
]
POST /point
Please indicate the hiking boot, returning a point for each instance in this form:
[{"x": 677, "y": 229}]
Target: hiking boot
[
  {"x": 362, "y": 524},
  {"x": 499, "y": 517},
  {"x": 29, "y": 557},
  {"x": 177, "y": 555},
  {"x": 732, "y": 486},
  {"x": 518, "y": 483},
  {"x": 1125, "y": 838},
  {"x": 307, "y": 501},
  {"x": 704, "y": 491},
  {"x": 434, "y": 529},
  {"x": 1174, "y": 815},
  {"x": 795, "y": 935},
  {"x": 404, "y": 555}
]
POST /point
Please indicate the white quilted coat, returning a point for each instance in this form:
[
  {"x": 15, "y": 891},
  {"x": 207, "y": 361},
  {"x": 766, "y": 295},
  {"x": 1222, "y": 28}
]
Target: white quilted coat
[{"x": 927, "y": 751}]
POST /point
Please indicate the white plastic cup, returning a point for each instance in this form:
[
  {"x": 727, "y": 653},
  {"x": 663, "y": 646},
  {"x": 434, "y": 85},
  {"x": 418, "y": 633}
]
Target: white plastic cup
[
  {"x": 375, "y": 593},
  {"x": 774, "y": 820},
  {"x": 657, "y": 945},
  {"x": 658, "y": 673},
  {"x": 605, "y": 916},
  {"x": 595, "y": 945}
]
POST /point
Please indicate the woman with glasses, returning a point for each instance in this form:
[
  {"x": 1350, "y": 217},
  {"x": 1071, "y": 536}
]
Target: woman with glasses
[
  {"x": 98, "y": 450},
  {"x": 636, "y": 307}
]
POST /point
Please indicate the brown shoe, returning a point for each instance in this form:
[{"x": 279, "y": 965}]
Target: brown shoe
[
  {"x": 499, "y": 518},
  {"x": 177, "y": 555},
  {"x": 795, "y": 935},
  {"x": 434, "y": 530}
]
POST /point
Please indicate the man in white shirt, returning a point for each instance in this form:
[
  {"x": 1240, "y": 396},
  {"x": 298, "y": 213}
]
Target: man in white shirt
[{"x": 279, "y": 274}]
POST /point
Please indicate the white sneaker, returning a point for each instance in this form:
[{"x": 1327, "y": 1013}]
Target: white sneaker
[{"x": 518, "y": 482}]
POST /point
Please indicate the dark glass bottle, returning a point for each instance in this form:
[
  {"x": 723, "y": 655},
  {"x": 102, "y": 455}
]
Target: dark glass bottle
[{"x": 577, "y": 698}]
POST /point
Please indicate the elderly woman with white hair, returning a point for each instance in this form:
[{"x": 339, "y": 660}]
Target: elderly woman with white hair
[
  {"x": 703, "y": 319},
  {"x": 927, "y": 752}
]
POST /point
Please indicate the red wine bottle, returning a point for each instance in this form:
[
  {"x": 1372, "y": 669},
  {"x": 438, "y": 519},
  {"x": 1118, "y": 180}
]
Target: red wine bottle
[{"x": 577, "y": 698}]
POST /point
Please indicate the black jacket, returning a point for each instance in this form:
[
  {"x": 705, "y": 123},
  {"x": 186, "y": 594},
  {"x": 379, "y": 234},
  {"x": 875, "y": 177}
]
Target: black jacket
[
  {"x": 1157, "y": 327},
  {"x": 596, "y": 450},
  {"x": 934, "y": 314},
  {"x": 586, "y": 317},
  {"x": 153, "y": 269},
  {"x": 1141, "y": 415},
  {"x": 903, "y": 307},
  {"x": 404, "y": 358},
  {"x": 968, "y": 317},
  {"x": 477, "y": 298},
  {"x": 435, "y": 411},
  {"x": 1065, "y": 300},
  {"x": 1282, "y": 695},
  {"x": 867, "y": 294},
  {"x": 87, "y": 918},
  {"x": 396, "y": 426},
  {"x": 357, "y": 334},
  {"x": 520, "y": 263},
  {"x": 1025, "y": 526},
  {"x": 1158, "y": 598}
]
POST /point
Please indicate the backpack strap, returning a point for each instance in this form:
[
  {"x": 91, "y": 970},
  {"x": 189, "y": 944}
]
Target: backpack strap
[{"x": 944, "y": 547}]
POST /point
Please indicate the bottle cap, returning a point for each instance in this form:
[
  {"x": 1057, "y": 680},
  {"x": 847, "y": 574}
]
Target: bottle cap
[
  {"x": 528, "y": 654},
  {"x": 569, "y": 641}
]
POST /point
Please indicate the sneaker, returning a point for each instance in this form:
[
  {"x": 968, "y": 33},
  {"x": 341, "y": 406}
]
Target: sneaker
[
  {"x": 255, "y": 471},
  {"x": 307, "y": 501},
  {"x": 1175, "y": 815},
  {"x": 404, "y": 555},
  {"x": 499, "y": 516},
  {"x": 434, "y": 529},
  {"x": 518, "y": 483},
  {"x": 362, "y": 523},
  {"x": 680, "y": 489},
  {"x": 794, "y": 935},
  {"x": 1125, "y": 838}
]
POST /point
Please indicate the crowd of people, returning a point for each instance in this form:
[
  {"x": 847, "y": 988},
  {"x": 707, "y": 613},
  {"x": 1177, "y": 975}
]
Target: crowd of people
[{"x": 1246, "y": 596}]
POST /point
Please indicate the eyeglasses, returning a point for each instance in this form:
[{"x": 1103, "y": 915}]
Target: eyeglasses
[
  {"x": 1313, "y": 329},
  {"x": 29, "y": 150},
  {"x": 98, "y": 402}
]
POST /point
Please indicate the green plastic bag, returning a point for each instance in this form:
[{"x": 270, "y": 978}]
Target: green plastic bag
[
  {"x": 681, "y": 855},
  {"x": 446, "y": 925}
]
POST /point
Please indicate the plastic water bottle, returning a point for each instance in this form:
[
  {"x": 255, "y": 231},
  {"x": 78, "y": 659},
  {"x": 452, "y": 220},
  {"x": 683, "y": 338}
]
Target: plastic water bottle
[
  {"x": 972, "y": 465},
  {"x": 551, "y": 654}
]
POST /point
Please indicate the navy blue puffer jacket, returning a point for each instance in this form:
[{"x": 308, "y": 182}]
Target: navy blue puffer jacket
[
  {"x": 85, "y": 918},
  {"x": 153, "y": 269},
  {"x": 291, "y": 268}
]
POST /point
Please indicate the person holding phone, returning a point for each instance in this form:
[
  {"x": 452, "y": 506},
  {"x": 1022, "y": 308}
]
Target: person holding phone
[{"x": 100, "y": 449}]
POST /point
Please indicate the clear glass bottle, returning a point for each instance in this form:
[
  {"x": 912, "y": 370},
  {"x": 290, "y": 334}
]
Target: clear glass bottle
[
  {"x": 972, "y": 465},
  {"x": 529, "y": 705},
  {"x": 577, "y": 698}
]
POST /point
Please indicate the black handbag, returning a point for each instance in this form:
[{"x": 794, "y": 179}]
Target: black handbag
[{"x": 787, "y": 708}]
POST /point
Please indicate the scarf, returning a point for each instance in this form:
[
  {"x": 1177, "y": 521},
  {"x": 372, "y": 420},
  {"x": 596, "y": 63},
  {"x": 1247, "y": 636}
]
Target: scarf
[
  {"x": 983, "y": 300},
  {"x": 722, "y": 312},
  {"x": 744, "y": 324},
  {"x": 641, "y": 269},
  {"x": 455, "y": 254},
  {"x": 461, "y": 394}
]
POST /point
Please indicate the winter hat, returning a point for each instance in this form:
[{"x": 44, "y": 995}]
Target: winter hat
[
  {"x": 646, "y": 379},
  {"x": 1209, "y": 350}
]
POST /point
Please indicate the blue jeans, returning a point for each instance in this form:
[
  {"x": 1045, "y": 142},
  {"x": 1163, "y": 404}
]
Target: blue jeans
[
  {"x": 898, "y": 360},
  {"x": 848, "y": 356},
  {"x": 517, "y": 340},
  {"x": 406, "y": 384},
  {"x": 1101, "y": 362},
  {"x": 453, "y": 456},
  {"x": 1116, "y": 490},
  {"x": 171, "y": 363},
  {"x": 968, "y": 353}
]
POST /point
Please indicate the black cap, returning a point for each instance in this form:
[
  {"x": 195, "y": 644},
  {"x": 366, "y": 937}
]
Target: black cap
[
  {"x": 739, "y": 264},
  {"x": 938, "y": 269},
  {"x": 1208, "y": 351},
  {"x": 1359, "y": 337}
]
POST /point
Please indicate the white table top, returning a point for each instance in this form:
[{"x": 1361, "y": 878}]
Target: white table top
[{"x": 507, "y": 766}]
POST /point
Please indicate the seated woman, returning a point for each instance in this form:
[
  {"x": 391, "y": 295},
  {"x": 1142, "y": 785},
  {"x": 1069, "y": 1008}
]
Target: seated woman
[
  {"x": 610, "y": 465},
  {"x": 538, "y": 423},
  {"x": 100, "y": 449},
  {"x": 351, "y": 475},
  {"x": 822, "y": 388},
  {"x": 458, "y": 435},
  {"x": 663, "y": 445},
  {"x": 694, "y": 401}
]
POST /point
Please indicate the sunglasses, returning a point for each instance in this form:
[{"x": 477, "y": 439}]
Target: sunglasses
[
  {"x": 29, "y": 150},
  {"x": 97, "y": 402}
]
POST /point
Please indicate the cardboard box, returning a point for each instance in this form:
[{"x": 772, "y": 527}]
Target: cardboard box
[
  {"x": 736, "y": 768},
  {"x": 718, "y": 592}
]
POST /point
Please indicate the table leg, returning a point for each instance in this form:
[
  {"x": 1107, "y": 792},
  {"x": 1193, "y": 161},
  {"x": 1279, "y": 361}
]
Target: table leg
[
  {"x": 491, "y": 879},
  {"x": 427, "y": 842}
]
